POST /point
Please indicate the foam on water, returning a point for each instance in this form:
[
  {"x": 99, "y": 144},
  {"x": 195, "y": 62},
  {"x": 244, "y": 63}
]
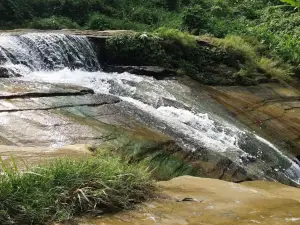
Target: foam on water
[
  {"x": 200, "y": 127},
  {"x": 195, "y": 125}
]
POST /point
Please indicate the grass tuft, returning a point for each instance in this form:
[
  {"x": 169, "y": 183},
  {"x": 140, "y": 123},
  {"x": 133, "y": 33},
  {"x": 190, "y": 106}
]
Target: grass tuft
[
  {"x": 273, "y": 68},
  {"x": 183, "y": 38},
  {"x": 61, "y": 189},
  {"x": 237, "y": 46},
  {"x": 248, "y": 53}
]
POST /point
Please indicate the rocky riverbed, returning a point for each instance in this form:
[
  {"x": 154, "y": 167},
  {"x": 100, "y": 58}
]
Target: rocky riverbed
[{"x": 54, "y": 93}]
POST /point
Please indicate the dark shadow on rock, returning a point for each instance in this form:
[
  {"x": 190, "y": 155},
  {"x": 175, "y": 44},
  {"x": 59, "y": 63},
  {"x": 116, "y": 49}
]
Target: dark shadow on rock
[
  {"x": 6, "y": 73},
  {"x": 158, "y": 73}
]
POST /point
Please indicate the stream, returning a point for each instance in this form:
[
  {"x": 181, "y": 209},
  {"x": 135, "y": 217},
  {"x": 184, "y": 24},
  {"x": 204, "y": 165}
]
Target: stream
[{"x": 195, "y": 122}]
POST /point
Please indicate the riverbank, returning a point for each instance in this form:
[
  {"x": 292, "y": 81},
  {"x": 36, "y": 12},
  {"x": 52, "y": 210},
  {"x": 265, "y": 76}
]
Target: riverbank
[
  {"x": 184, "y": 199},
  {"x": 60, "y": 189}
]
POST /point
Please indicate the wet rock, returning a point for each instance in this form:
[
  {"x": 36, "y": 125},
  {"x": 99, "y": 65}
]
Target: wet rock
[
  {"x": 188, "y": 200},
  {"x": 6, "y": 73},
  {"x": 87, "y": 33},
  {"x": 272, "y": 109},
  {"x": 35, "y": 114},
  {"x": 45, "y": 94},
  {"x": 158, "y": 73}
]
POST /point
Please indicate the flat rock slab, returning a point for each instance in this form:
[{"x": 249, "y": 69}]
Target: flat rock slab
[
  {"x": 273, "y": 109},
  {"x": 87, "y": 33},
  {"x": 213, "y": 202},
  {"x": 42, "y": 114},
  {"x": 14, "y": 88}
]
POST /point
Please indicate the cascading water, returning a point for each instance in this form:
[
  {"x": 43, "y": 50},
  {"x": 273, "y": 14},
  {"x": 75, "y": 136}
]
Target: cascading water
[
  {"x": 165, "y": 105},
  {"x": 23, "y": 54}
]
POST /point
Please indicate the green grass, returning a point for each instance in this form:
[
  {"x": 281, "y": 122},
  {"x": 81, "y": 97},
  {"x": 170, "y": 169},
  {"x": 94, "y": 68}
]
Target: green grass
[
  {"x": 273, "y": 68},
  {"x": 63, "y": 188},
  {"x": 164, "y": 158},
  {"x": 183, "y": 38},
  {"x": 249, "y": 53},
  {"x": 238, "y": 46}
]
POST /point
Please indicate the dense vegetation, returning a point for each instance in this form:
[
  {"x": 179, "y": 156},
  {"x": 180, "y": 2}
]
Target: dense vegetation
[
  {"x": 268, "y": 28},
  {"x": 60, "y": 189}
]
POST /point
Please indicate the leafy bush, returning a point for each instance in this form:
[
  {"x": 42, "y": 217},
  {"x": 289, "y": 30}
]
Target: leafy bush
[
  {"x": 52, "y": 23},
  {"x": 137, "y": 49},
  {"x": 146, "y": 16},
  {"x": 280, "y": 31},
  {"x": 172, "y": 4},
  {"x": 102, "y": 22},
  {"x": 195, "y": 19},
  {"x": 168, "y": 4},
  {"x": 63, "y": 188}
]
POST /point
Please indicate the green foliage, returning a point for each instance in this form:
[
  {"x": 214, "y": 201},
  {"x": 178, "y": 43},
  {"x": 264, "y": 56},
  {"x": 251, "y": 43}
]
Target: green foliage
[
  {"x": 168, "y": 4},
  {"x": 52, "y": 23},
  {"x": 251, "y": 60},
  {"x": 236, "y": 45},
  {"x": 136, "y": 49},
  {"x": 195, "y": 19},
  {"x": 295, "y": 3},
  {"x": 102, "y": 22},
  {"x": 161, "y": 156},
  {"x": 172, "y": 4},
  {"x": 182, "y": 38},
  {"x": 169, "y": 50},
  {"x": 144, "y": 15},
  {"x": 280, "y": 31},
  {"x": 60, "y": 189},
  {"x": 274, "y": 69}
]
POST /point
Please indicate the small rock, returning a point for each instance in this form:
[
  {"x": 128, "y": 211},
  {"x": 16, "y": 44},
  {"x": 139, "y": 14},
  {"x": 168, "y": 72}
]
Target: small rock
[
  {"x": 188, "y": 200},
  {"x": 6, "y": 73}
]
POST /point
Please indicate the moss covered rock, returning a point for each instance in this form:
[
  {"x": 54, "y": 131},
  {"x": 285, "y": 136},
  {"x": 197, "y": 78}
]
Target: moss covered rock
[{"x": 196, "y": 58}]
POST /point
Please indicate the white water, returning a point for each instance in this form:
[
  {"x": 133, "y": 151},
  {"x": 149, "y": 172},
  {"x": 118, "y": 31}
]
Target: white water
[
  {"x": 36, "y": 52},
  {"x": 170, "y": 105},
  {"x": 196, "y": 126}
]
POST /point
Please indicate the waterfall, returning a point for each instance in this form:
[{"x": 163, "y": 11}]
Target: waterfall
[
  {"x": 166, "y": 105},
  {"x": 23, "y": 54}
]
